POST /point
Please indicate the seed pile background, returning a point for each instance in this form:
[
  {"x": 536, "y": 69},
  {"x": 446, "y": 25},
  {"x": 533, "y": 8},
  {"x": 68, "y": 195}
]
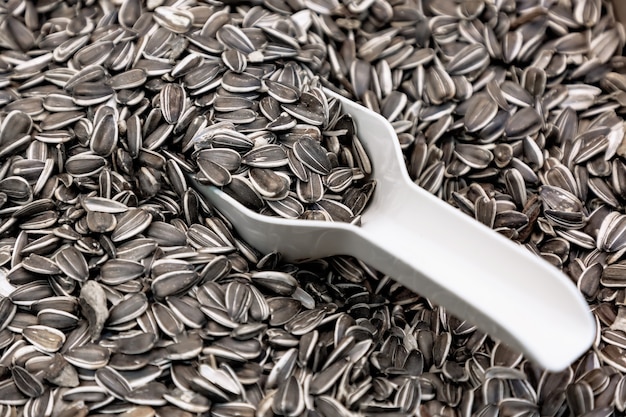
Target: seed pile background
[{"x": 126, "y": 294}]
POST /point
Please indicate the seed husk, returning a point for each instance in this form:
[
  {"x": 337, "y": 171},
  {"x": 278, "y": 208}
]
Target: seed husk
[{"x": 94, "y": 306}]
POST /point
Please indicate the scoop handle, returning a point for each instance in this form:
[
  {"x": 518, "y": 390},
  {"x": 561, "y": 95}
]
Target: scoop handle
[{"x": 479, "y": 275}]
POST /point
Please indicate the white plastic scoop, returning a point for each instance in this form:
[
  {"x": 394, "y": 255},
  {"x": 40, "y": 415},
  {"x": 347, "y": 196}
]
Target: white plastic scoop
[{"x": 436, "y": 251}]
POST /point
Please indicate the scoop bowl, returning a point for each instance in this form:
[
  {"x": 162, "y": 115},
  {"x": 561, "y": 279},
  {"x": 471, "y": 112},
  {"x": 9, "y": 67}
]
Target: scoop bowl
[{"x": 435, "y": 250}]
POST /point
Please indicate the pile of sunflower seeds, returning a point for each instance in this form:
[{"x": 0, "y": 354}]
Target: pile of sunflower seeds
[{"x": 123, "y": 292}]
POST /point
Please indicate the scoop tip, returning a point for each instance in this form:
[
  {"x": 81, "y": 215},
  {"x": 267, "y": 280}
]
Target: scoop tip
[{"x": 567, "y": 349}]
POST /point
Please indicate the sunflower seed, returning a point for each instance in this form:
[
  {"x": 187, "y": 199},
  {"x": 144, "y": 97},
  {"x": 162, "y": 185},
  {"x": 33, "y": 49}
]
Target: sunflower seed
[
  {"x": 72, "y": 263},
  {"x": 45, "y": 339},
  {"x": 26, "y": 382},
  {"x": 172, "y": 99},
  {"x": 128, "y": 309},
  {"x": 131, "y": 223},
  {"x": 175, "y": 20},
  {"x": 88, "y": 356}
]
